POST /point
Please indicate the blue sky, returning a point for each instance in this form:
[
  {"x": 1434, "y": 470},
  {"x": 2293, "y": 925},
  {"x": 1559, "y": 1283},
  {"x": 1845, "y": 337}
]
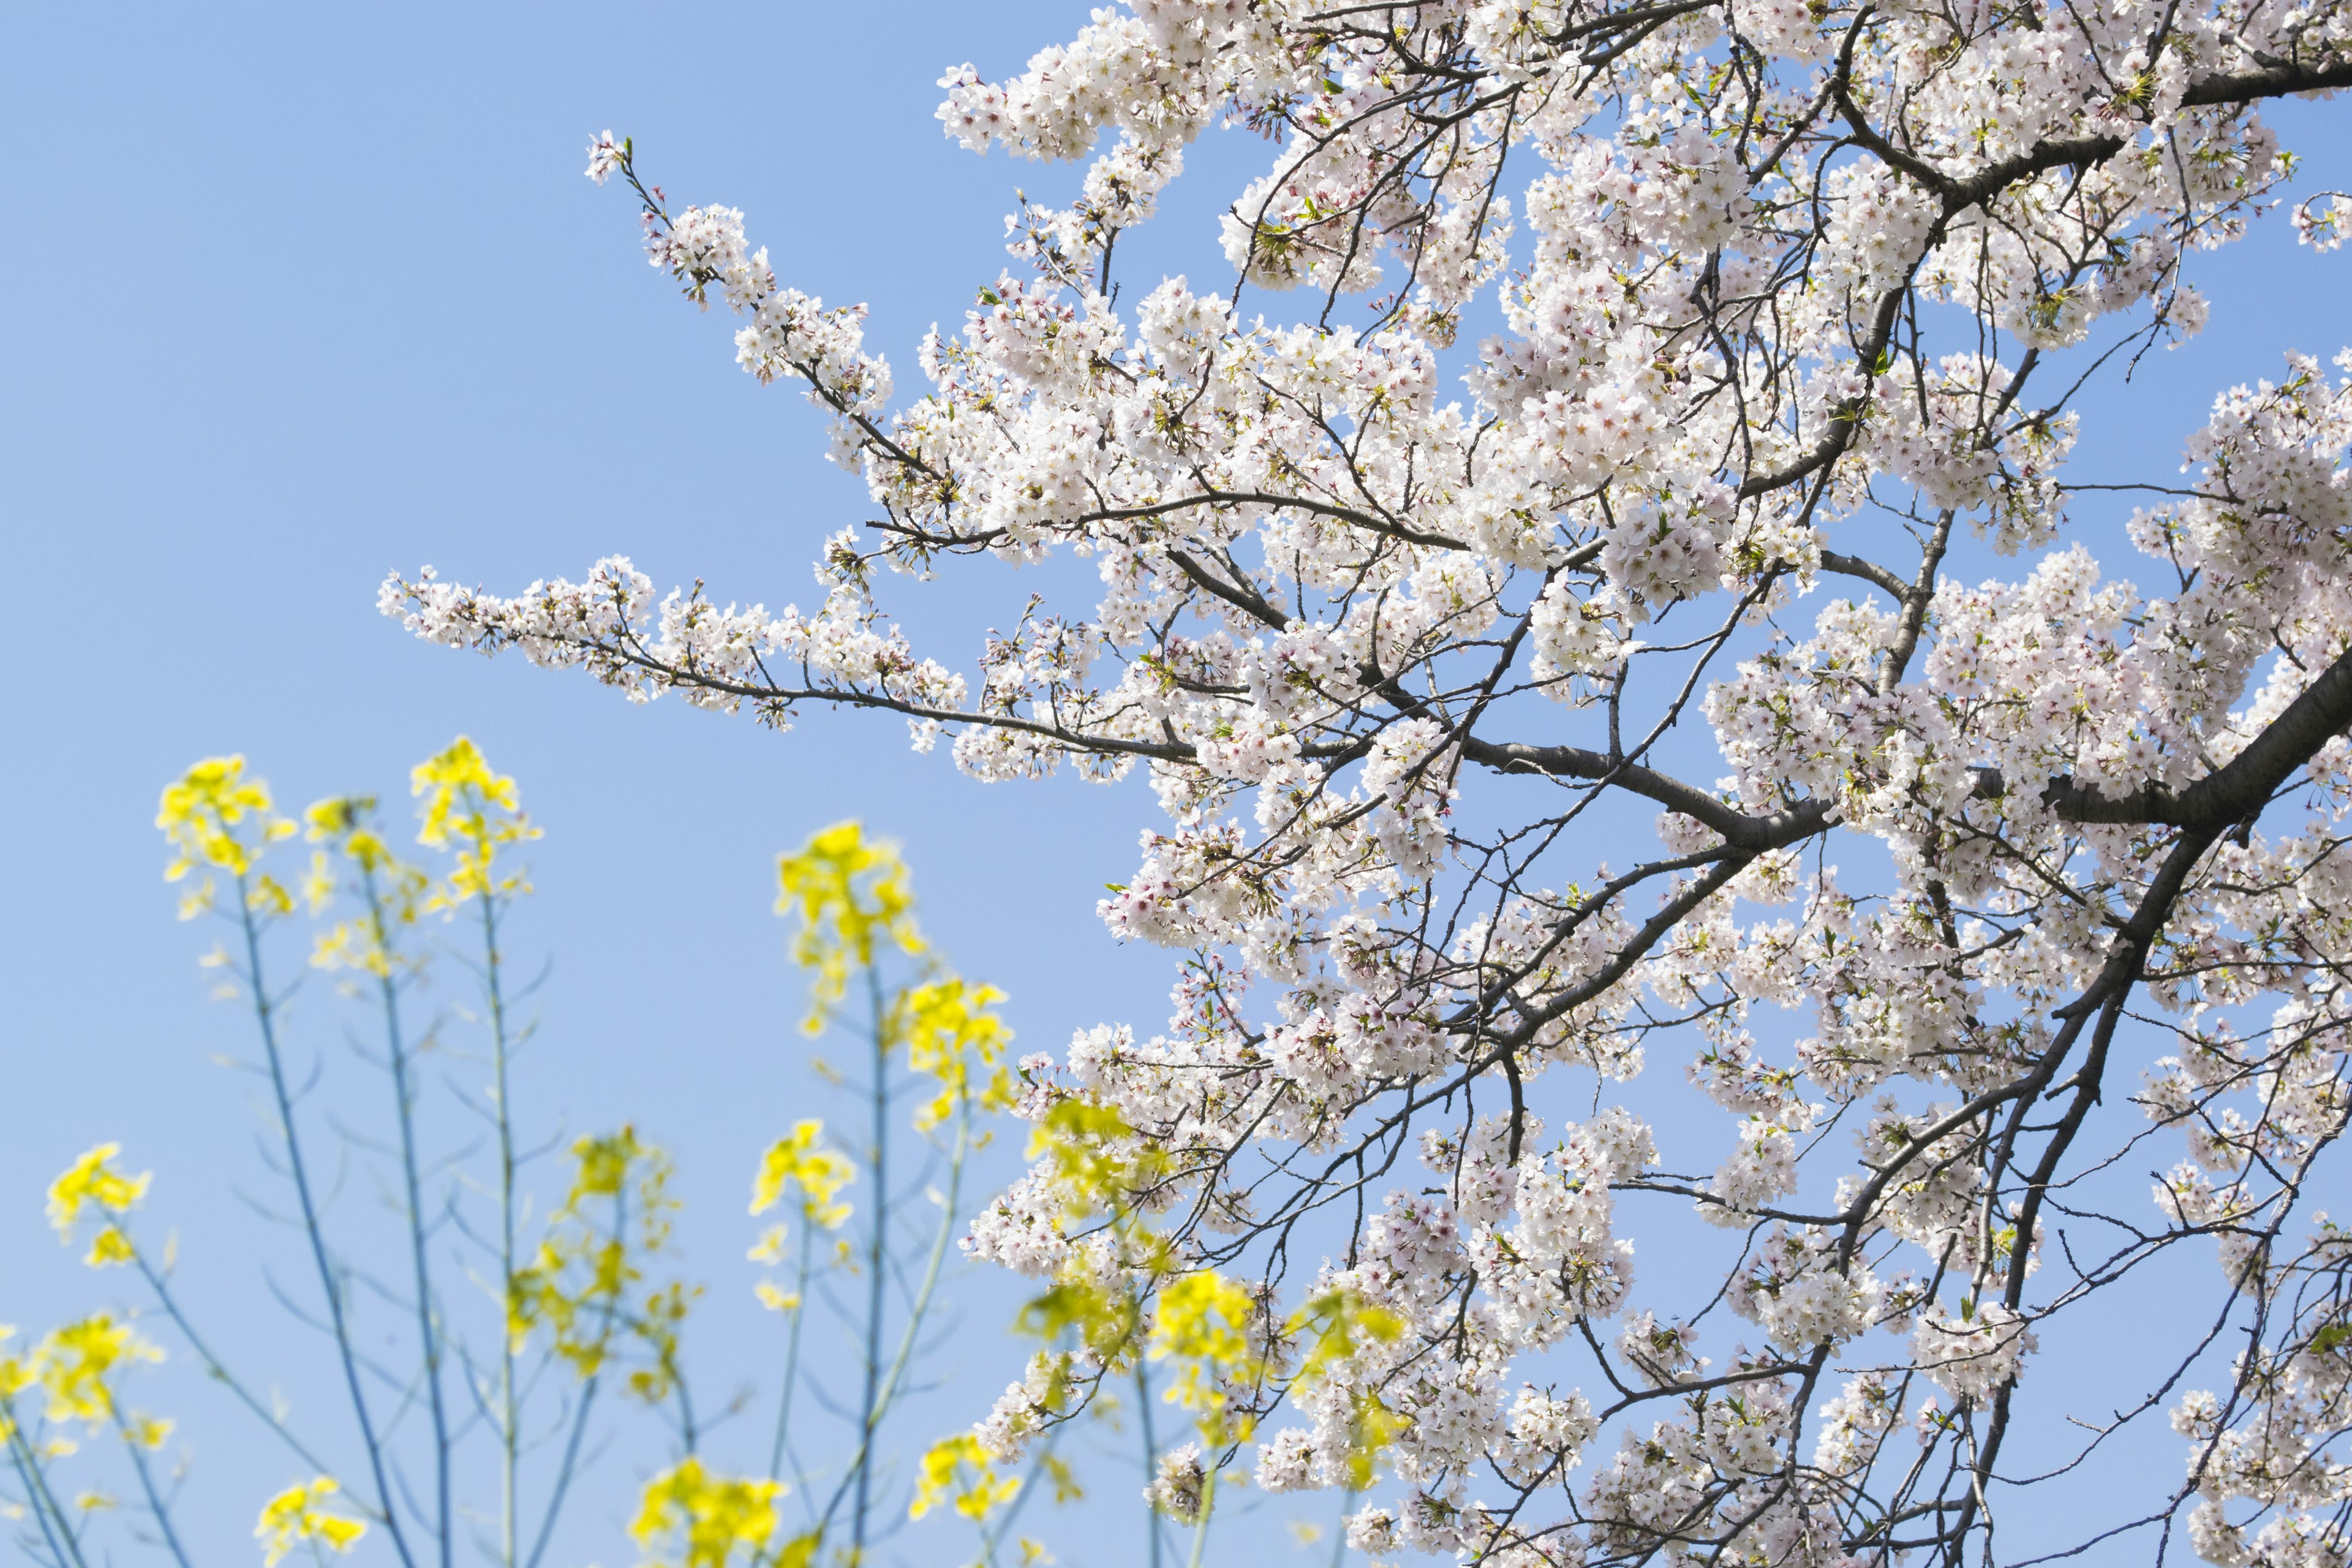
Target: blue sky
[{"x": 302, "y": 294}]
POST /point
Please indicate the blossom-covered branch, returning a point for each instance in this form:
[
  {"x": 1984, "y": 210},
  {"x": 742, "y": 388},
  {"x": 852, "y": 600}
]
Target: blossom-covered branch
[{"x": 1809, "y": 297}]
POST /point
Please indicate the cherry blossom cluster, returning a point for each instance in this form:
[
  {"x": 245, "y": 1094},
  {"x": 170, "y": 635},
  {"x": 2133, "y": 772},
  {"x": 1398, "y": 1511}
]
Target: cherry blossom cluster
[{"x": 1506, "y": 705}]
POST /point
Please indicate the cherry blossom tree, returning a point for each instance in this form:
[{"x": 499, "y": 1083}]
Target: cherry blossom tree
[{"x": 1793, "y": 301}]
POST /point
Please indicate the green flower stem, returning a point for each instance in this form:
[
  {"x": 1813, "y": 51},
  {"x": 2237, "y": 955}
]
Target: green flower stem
[{"x": 339, "y": 1322}]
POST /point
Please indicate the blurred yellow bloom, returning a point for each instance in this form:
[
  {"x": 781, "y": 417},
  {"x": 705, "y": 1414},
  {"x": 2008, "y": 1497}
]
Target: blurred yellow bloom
[
  {"x": 1206, "y": 1321},
  {"x": 1096, "y": 1158},
  {"x": 956, "y": 1470},
  {"x": 268, "y": 895},
  {"x": 800, "y": 1162},
  {"x": 656, "y": 1325},
  {"x": 1341, "y": 1322},
  {"x": 148, "y": 1431},
  {"x": 345, "y": 821},
  {"x": 93, "y": 1181},
  {"x": 775, "y": 1298},
  {"x": 578, "y": 1285},
  {"x": 950, "y": 1032},
  {"x": 72, "y": 1364},
  {"x": 300, "y": 1514},
  {"x": 1337, "y": 1324},
  {"x": 689, "y": 1518},
  {"x": 390, "y": 891},
  {"x": 15, "y": 1376},
  {"x": 108, "y": 1247},
  {"x": 849, "y": 893},
  {"x": 474, "y": 810},
  {"x": 1105, "y": 1318},
  {"x": 203, "y": 814}
]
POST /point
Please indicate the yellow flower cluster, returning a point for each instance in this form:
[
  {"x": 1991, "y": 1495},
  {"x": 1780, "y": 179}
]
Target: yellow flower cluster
[
  {"x": 93, "y": 1182},
  {"x": 956, "y": 1470},
  {"x": 72, "y": 1365},
  {"x": 800, "y": 1162},
  {"x": 1105, "y": 1316},
  {"x": 1336, "y": 1325},
  {"x": 692, "y": 1518},
  {"x": 477, "y": 811},
  {"x": 348, "y": 822},
  {"x": 1095, "y": 1157},
  {"x": 950, "y": 1033},
  {"x": 390, "y": 890},
  {"x": 851, "y": 894},
  {"x": 1099, "y": 1165},
  {"x": 218, "y": 819},
  {"x": 15, "y": 1378},
  {"x": 579, "y": 1282},
  {"x": 303, "y": 1514},
  {"x": 1205, "y": 1322}
]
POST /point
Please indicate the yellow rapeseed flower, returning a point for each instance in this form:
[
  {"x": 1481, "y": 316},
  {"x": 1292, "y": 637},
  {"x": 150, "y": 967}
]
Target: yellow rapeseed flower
[
  {"x": 474, "y": 811},
  {"x": 390, "y": 891},
  {"x": 348, "y": 822},
  {"x": 218, "y": 819},
  {"x": 1204, "y": 1322},
  {"x": 799, "y": 1163},
  {"x": 690, "y": 1517},
  {"x": 93, "y": 1181},
  {"x": 1096, "y": 1159},
  {"x": 951, "y": 1035},
  {"x": 15, "y": 1378},
  {"x": 956, "y": 1470},
  {"x": 1338, "y": 1323},
  {"x": 850, "y": 893},
  {"x": 108, "y": 1248},
  {"x": 149, "y": 1432},
  {"x": 72, "y": 1364},
  {"x": 301, "y": 1513},
  {"x": 579, "y": 1284},
  {"x": 1341, "y": 1322}
]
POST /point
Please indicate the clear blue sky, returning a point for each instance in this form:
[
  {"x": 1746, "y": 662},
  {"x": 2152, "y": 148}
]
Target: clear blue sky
[{"x": 302, "y": 294}]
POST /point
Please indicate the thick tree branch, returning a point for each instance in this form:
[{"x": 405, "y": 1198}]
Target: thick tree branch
[
  {"x": 2230, "y": 794},
  {"x": 1741, "y": 831}
]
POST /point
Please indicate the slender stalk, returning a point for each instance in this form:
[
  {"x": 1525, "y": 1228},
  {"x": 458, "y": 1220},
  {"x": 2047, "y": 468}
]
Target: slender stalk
[
  {"x": 221, "y": 1375},
  {"x": 921, "y": 1307},
  {"x": 428, "y": 1332},
  {"x": 1340, "y": 1531},
  {"x": 690, "y": 1436},
  {"x": 563, "y": 1476},
  {"x": 510, "y": 1434},
  {"x": 56, "y": 1529},
  {"x": 1200, "y": 1530},
  {"x": 876, "y": 1251},
  {"x": 992, "y": 1535},
  {"x": 339, "y": 1322},
  {"x": 587, "y": 1400},
  {"x": 155, "y": 1504},
  {"x": 1150, "y": 1450},
  {"x": 793, "y": 1347}
]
